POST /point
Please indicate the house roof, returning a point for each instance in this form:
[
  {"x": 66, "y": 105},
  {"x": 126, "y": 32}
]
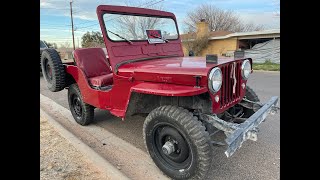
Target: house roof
[
  {"x": 227, "y": 34},
  {"x": 211, "y": 34},
  {"x": 252, "y": 33}
]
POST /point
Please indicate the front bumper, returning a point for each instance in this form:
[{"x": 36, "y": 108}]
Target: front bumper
[{"x": 238, "y": 133}]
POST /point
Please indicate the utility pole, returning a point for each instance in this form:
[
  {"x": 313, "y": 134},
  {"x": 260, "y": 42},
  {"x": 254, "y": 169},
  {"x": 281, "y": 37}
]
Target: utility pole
[
  {"x": 72, "y": 25},
  {"x": 78, "y": 42}
]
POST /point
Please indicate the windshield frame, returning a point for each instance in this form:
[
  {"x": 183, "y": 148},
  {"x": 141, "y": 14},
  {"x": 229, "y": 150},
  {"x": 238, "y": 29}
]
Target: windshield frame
[{"x": 143, "y": 15}]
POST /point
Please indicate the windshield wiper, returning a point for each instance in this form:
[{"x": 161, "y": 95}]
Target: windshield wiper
[
  {"x": 130, "y": 42},
  {"x": 159, "y": 38}
]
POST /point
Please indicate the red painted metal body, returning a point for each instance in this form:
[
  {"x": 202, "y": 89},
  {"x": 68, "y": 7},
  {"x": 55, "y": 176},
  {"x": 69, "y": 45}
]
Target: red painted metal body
[{"x": 172, "y": 76}]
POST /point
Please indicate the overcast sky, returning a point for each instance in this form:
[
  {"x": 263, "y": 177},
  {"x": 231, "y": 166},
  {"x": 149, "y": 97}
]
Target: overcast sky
[{"x": 55, "y": 23}]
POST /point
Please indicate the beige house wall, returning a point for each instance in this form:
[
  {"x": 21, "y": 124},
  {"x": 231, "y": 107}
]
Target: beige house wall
[{"x": 219, "y": 47}]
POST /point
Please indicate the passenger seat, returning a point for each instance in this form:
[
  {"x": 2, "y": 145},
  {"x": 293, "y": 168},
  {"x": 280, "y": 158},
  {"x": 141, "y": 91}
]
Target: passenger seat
[{"x": 94, "y": 64}]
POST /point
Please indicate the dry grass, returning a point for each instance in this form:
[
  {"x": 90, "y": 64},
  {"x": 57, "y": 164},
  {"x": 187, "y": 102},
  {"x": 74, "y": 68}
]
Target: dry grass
[{"x": 267, "y": 66}]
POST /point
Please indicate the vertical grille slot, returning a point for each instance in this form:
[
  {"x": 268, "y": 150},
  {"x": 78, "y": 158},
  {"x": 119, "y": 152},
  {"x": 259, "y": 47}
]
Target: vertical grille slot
[{"x": 226, "y": 95}]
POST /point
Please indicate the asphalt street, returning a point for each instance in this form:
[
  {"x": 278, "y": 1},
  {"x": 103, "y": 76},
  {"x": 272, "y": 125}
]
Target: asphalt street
[{"x": 258, "y": 160}]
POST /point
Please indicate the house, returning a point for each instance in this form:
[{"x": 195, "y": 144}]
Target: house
[{"x": 260, "y": 45}]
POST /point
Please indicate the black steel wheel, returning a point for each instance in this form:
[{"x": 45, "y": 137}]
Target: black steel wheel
[
  {"x": 76, "y": 104},
  {"x": 48, "y": 71},
  {"x": 82, "y": 112},
  {"x": 177, "y": 142},
  {"x": 173, "y": 148}
]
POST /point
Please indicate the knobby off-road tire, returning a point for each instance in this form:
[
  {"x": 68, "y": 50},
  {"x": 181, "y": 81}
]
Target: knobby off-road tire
[
  {"x": 192, "y": 156},
  {"x": 252, "y": 96},
  {"x": 53, "y": 70},
  {"x": 82, "y": 112}
]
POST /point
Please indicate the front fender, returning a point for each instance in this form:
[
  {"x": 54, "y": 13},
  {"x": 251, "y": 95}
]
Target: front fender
[
  {"x": 162, "y": 89},
  {"x": 167, "y": 89},
  {"x": 159, "y": 89}
]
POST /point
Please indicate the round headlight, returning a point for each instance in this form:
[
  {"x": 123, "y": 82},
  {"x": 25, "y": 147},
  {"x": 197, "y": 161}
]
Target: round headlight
[
  {"x": 215, "y": 79},
  {"x": 246, "y": 69}
]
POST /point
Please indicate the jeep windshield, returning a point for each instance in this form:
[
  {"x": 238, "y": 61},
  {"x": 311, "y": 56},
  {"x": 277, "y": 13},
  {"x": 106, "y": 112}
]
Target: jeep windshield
[{"x": 124, "y": 27}]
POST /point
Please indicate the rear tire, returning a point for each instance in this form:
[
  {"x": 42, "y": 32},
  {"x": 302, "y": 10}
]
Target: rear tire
[
  {"x": 190, "y": 149},
  {"x": 82, "y": 112},
  {"x": 53, "y": 70}
]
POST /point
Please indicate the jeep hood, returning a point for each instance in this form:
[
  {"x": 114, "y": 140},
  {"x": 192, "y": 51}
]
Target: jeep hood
[{"x": 176, "y": 70}]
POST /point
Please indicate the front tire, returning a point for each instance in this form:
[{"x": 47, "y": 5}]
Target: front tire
[
  {"x": 82, "y": 112},
  {"x": 177, "y": 142},
  {"x": 252, "y": 96}
]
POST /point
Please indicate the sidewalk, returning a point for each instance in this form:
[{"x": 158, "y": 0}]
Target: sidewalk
[{"x": 111, "y": 154}]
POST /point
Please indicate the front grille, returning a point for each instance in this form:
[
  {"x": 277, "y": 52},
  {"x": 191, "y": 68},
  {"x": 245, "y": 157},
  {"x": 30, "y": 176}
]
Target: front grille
[{"x": 227, "y": 96}]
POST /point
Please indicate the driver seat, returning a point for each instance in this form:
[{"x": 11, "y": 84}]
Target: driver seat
[{"x": 93, "y": 62}]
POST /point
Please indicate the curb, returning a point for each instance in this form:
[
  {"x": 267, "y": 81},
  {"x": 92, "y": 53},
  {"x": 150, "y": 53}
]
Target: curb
[{"x": 107, "y": 169}]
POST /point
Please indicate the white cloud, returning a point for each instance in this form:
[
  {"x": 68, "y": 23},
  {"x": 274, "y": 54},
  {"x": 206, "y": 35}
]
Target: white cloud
[
  {"x": 86, "y": 10},
  {"x": 268, "y": 19},
  {"x": 86, "y": 15},
  {"x": 45, "y": 4},
  {"x": 54, "y": 30}
]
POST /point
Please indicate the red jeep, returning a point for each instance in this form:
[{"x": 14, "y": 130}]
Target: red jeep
[{"x": 187, "y": 99}]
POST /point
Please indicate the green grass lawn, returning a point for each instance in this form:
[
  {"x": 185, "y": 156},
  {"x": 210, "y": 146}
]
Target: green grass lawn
[{"x": 267, "y": 66}]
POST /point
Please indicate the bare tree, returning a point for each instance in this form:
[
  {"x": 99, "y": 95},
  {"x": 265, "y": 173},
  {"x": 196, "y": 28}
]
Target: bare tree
[
  {"x": 196, "y": 45},
  {"x": 218, "y": 19},
  {"x": 135, "y": 26},
  {"x": 65, "y": 45},
  {"x": 276, "y": 4}
]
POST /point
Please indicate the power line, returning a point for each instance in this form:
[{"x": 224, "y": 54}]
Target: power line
[
  {"x": 55, "y": 25},
  {"x": 119, "y": 17},
  {"x": 88, "y": 26},
  {"x": 56, "y": 28},
  {"x": 76, "y": 12},
  {"x": 64, "y": 25},
  {"x": 54, "y": 8},
  {"x": 87, "y": 22},
  {"x": 90, "y": 21}
]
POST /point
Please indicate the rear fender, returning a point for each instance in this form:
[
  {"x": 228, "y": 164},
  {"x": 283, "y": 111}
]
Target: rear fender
[{"x": 89, "y": 95}]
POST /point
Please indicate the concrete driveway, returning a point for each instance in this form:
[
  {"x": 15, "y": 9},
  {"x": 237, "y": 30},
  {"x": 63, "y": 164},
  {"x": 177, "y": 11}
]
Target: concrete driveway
[{"x": 254, "y": 160}]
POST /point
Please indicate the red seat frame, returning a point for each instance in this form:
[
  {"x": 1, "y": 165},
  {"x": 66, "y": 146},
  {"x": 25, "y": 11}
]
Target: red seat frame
[{"x": 93, "y": 62}]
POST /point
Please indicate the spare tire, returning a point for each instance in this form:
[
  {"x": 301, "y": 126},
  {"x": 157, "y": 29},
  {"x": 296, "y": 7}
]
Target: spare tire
[{"x": 53, "y": 70}]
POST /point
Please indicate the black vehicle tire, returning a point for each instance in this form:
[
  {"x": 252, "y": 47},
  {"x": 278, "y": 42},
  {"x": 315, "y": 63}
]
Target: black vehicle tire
[
  {"x": 192, "y": 156},
  {"x": 252, "y": 96},
  {"x": 82, "y": 112},
  {"x": 53, "y": 70}
]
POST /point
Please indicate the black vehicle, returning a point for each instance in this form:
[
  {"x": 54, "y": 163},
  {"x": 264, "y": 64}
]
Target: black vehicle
[{"x": 42, "y": 47}]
